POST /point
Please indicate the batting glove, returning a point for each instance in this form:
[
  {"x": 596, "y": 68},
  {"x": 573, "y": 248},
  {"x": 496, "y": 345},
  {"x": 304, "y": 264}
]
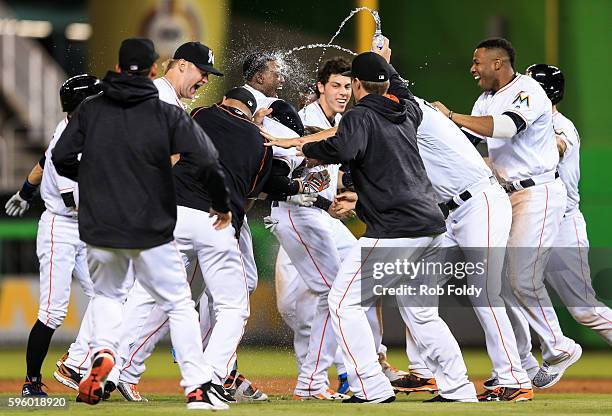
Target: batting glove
[
  {"x": 302, "y": 200},
  {"x": 316, "y": 182},
  {"x": 16, "y": 206}
]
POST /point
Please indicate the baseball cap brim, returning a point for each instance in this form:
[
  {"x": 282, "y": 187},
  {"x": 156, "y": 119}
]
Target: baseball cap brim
[
  {"x": 210, "y": 69},
  {"x": 347, "y": 74}
]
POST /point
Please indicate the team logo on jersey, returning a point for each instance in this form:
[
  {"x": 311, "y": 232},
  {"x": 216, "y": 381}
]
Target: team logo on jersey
[
  {"x": 521, "y": 100},
  {"x": 211, "y": 57}
]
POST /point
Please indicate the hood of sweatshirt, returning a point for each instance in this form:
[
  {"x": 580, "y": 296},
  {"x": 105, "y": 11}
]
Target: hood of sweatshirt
[
  {"x": 386, "y": 106},
  {"x": 128, "y": 89}
]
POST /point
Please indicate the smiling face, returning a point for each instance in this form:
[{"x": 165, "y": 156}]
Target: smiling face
[
  {"x": 192, "y": 79},
  {"x": 334, "y": 95},
  {"x": 271, "y": 79},
  {"x": 486, "y": 64}
]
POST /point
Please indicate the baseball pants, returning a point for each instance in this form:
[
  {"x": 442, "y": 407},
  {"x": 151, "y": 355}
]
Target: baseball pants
[
  {"x": 349, "y": 299},
  {"x": 161, "y": 272},
  {"x": 316, "y": 243},
  {"x": 569, "y": 274},
  {"x": 536, "y": 215},
  {"x": 480, "y": 227}
]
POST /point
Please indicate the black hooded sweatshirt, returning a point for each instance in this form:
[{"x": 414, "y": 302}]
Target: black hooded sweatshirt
[
  {"x": 377, "y": 138},
  {"x": 126, "y": 136}
]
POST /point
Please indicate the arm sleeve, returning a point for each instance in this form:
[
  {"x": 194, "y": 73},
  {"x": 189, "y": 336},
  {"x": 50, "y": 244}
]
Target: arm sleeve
[
  {"x": 189, "y": 139},
  {"x": 349, "y": 143},
  {"x": 70, "y": 144},
  {"x": 42, "y": 161},
  {"x": 278, "y": 185},
  {"x": 504, "y": 126}
]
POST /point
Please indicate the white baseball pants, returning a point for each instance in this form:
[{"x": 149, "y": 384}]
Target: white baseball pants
[
  {"x": 348, "y": 305},
  {"x": 161, "y": 272},
  {"x": 536, "y": 215}
]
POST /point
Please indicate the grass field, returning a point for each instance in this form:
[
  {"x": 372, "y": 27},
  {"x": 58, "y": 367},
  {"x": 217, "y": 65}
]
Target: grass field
[{"x": 273, "y": 368}]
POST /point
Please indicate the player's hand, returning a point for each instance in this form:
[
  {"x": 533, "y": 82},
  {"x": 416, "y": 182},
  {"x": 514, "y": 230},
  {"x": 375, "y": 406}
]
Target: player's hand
[
  {"x": 316, "y": 182},
  {"x": 302, "y": 200},
  {"x": 16, "y": 206},
  {"x": 342, "y": 210},
  {"x": 260, "y": 114},
  {"x": 280, "y": 142},
  {"x": 347, "y": 196},
  {"x": 385, "y": 52},
  {"x": 441, "y": 108},
  {"x": 223, "y": 218}
]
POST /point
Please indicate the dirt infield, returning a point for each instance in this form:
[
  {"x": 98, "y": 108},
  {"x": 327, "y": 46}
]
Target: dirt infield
[{"x": 284, "y": 386}]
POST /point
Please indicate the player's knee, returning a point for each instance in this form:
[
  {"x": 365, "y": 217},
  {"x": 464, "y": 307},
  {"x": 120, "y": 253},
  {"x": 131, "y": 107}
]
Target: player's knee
[
  {"x": 584, "y": 316},
  {"x": 52, "y": 319}
]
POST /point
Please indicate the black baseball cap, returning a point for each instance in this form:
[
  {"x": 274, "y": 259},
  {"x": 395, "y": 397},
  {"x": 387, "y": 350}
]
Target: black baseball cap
[
  {"x": 198, "y": 54},
  {"x": 243, "y": 95},
  {"x": 369, "y": 66},
  {"x": 137, "y": 54}
]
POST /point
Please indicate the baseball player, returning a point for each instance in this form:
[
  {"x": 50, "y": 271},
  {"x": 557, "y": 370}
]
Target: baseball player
[
  {"x": 514, "y": 116},
  {"x": 61, "y": 253},
  {"x": 568, "y": 270},
  {"x": 411, "y": 222},
  {"x": 128, "y": 212},
  {"x": 479, "y": 222}
]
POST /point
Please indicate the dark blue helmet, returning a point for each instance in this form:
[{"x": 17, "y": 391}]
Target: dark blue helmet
[
  {"x": 76, "y": 89},
  {"x": 550, "y": 78}
]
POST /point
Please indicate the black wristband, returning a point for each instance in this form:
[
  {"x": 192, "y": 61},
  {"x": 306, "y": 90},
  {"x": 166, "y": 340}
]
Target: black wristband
[
  {"x": 322, "y": 203},
  {"x": 347, "y": 180},
  {"x": 27, "y": 191}
]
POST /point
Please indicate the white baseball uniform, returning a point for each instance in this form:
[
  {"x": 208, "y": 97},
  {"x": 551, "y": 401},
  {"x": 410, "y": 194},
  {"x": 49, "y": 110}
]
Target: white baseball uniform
[
  {"x": 568, "y": 269},
  {"x": 316, "y": 243},
  {"x": 61, "y": 253},
  {"x": 480, "y": 226},
  {"x": 536, "y": 211}
]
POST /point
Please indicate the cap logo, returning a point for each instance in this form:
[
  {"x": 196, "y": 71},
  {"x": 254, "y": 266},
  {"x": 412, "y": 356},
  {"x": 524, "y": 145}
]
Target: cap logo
[
  {"x": 250, "y": 103},
  {"x": 381, "y": 77},
  {"x": 133, "y": 67},
  {"x": 211, "y": 57}
]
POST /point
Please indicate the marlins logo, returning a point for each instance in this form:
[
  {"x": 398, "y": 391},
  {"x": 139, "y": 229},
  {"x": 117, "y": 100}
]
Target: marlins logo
[{"x": 521, "y": 100}]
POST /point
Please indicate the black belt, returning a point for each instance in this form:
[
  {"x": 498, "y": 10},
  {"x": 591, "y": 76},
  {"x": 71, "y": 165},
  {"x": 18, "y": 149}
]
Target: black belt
[
  {"x": 525, "y": 183},
  {"x": 451, "y": 205}
]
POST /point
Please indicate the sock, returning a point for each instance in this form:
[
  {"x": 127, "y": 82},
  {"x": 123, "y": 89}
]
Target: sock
[{"x": 38, "y": 346}]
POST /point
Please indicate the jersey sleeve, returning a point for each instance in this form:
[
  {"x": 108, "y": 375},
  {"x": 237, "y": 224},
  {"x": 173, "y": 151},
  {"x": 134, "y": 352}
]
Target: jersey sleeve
[
  {"x": 528, "y": 103},
  {"x": 568, "y": 133}
]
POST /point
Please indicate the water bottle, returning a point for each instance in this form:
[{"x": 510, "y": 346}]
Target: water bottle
[{"x": 378, "y": 40}]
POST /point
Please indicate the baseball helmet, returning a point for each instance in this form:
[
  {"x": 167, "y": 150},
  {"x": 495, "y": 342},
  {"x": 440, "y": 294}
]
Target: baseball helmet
[
  {"x": 284, "y": 113},
  {"x": 550, "y": 78},
  {"x": 76, "y": 89}
]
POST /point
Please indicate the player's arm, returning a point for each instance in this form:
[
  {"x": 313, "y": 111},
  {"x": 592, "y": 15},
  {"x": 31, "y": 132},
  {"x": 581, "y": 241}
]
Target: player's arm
[
  {"x": 19, "y": 203},
  {"x": 348, "y": 144},
  {"x": 65, "y": 153},
  {"x": 561, "y": 145},
  {"x": 191, "y": 141},
  {"x": 294, "y": 142}
]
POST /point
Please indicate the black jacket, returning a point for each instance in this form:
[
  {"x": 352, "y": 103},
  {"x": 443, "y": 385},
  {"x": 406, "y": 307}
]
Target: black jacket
[
  {"x": 377, "y": 138},
  {"x": 245, "y": 160},
  {"x": 126, "y": 137}
]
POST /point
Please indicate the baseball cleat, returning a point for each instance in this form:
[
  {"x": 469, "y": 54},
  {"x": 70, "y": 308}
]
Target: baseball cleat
[
  {"x": 221, "y": 393},
  {"x": 412, "y": 383},
  {"x": 550, "y": 374},
  {"x": 109, "y": 387},
  {"x": 130, "y": 392},
  {"x": 67, "y": 376},
  {"x": 506, "y": 394},
  {"x": 33, "y": 387},
  {"x": 204, "y": 398},
  {"x": 343, "y": 384},
  {"x": 326, "y": 395},
  {"x": 491, "y": 383},
  {"x": 390, "y": 372},
  {"x": 357, "y": 400},
  {"x": 91, "y": 387},
  {"x": 63, "y": 358},
  {"x": 242, "y": 389},
  {"x": 440, "y": 399}
]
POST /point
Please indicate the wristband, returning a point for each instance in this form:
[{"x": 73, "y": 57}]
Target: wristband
[
  {"x": 450, "y": 115},
  {"x": 322, "y": 203},
  {"x": 27, "y": 191}
]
